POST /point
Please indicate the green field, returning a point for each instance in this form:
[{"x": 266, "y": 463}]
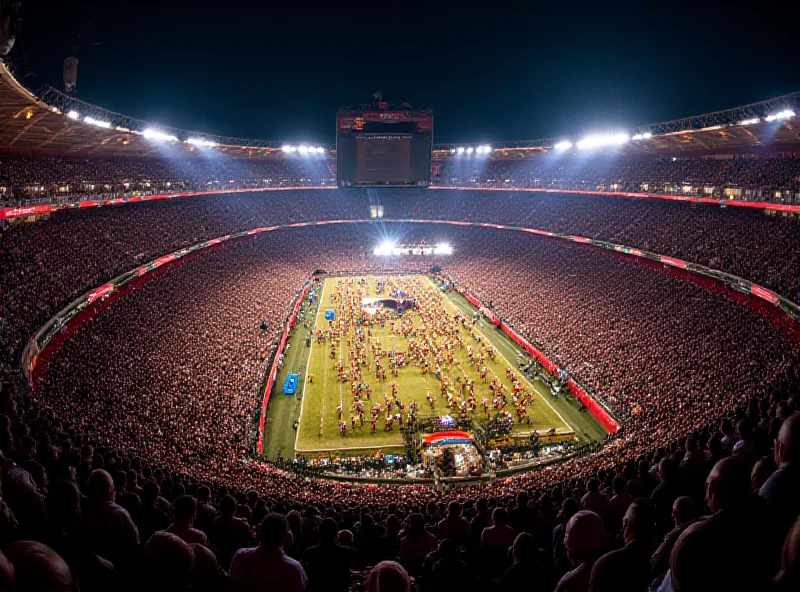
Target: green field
[
  {"x": 319, "y": 422},
  {"x": 280, "y": 437}
]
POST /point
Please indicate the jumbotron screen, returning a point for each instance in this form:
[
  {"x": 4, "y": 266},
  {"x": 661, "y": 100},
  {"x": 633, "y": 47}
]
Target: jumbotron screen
[{"x": 383, "y": 148}]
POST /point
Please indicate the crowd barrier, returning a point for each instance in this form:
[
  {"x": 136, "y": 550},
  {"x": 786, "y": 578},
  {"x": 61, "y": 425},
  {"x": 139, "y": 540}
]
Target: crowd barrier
[
  {"x": 602, "y": 415},
  {"x": 273, "y": 372}
]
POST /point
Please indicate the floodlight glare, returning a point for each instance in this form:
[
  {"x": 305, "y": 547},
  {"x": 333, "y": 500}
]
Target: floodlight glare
[
  {"x": 751, "y": 121},
  {"x": 97, "y": 122},
  {"x": 460, "y": 150},
  {"x": 385, "y": 248},
  {"x": 73, "y": 115},
  {"x": 320, "y": 150},
  {"x": 565, "y": 145},
  {"x": 785, "y": 114},
  {"x": 487, "y": 149},
  {"x": 596, "y": 141},
  {"x": 303, "y": 149},
  {"x": 470, "y": 150},
  {"x": 443, "y": 249},
  {"x": 647, "y": 135},
  {"x": 200, "y": 142},
  {"x": 158, "y": 136}
]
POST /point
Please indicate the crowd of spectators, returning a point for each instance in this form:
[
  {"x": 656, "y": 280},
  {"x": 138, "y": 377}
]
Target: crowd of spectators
[
  {"x": 43, "y": 266},
  {"x": 127, "y": 467},
  {"x": 749, "y": 176},
  {"x": 756, "y": 176},
  {"x": 53, "y": 177}
]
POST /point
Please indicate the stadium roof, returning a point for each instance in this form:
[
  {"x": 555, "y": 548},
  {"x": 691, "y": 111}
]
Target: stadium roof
[{"x": 59, "y": 124}]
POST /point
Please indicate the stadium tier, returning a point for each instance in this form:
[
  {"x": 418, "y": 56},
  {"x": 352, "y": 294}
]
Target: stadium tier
[{"x": 563, "y": 354}]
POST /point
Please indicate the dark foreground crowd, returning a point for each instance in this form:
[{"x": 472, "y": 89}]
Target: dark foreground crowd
[{"x": 128, "y": 466}]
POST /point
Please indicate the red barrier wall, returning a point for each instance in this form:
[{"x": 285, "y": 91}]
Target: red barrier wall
[
  {"x": 273, "y": 373},
  {"x": 601, "y": 415}
]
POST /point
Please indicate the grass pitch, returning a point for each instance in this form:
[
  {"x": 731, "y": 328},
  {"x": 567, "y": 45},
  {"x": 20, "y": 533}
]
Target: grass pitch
[{"x": 319, "y": 429}]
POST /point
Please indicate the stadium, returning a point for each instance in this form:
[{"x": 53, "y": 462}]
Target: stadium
[{"x": 562, "y": 364}]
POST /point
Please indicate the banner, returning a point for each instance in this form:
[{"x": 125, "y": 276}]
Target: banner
[{"x": 23, "y": 211}]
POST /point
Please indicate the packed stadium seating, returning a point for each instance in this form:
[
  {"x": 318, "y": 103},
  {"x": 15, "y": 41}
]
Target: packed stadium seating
[
  {"x": 46, "y": 265},
  {"x": 37, "y": 178},
  {"x": 653, "y": 174},
  {"x": 159, "y": 390},
  {"x": 759, "y": 176}
]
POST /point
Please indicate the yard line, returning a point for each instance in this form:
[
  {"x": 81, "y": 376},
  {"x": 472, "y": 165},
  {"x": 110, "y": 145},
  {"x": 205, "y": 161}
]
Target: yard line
[{"x": 308, "y": 365}]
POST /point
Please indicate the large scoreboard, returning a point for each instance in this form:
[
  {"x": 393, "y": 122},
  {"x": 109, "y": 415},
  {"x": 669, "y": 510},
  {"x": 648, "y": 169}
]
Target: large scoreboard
[{"x": 383, "y": 147}]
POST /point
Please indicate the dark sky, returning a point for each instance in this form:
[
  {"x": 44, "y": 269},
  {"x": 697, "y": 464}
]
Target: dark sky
[{"x": 492, "y": 70}]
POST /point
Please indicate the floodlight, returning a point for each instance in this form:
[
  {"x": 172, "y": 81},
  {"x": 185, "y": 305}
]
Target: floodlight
[
  {"x": 443, "y": 249},
  {"x": 595, "y": 141},
  {"x": 200, "y": 142},
  {"x": 563, "y": 145},
  {"x": 785, "y": 114},
  {"x": 386, "y": 248},
  {"x": 320, "y": 150},
  {"x": 97, "y": 122},
  {"x": 73, "y": 115},
  {"x": 460, "y": 150},
  {"x": 647, "y": 135},
  {"x": 470, "y": 149},
  {"x": 303, "y": 149},
  {"x": 487, "y": 149},
  {"x": 751, "y": 121},
  {"x": 158, "y": 136}
]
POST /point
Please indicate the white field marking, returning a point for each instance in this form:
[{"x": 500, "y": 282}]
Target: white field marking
[
  {"x": 522, "y": 375},
  {"x": 365, "y": 447},
  {"x": 308, "y": 364},
  {"x": 341, "y": 361}
]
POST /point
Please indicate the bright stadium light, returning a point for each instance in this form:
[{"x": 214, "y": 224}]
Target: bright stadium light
[
  {"x": 303, "y": 149},
  {"x": 470, "y": 150},
  {"x": 487, "y": 149},
  {"x": 596, "y": 141},
  {"x": 385, "y": 248},
  {"x": 201, "y": 142},
  {"x": 289, "y": 149},
  {"x": 443, "y": 249},
  {"x": 460, "y": 150},
  {"x": 320, "y": 150},
  {"x": 785, "y": 114},
  {"x": 751, "y": 121},
  {"x": 97, "y": 122},
  {"x": 564, "y": 145},
  {"x": 647, "y": 135},
  {"x": 73, "y": 115},
  {"x": 158, "y": 136}
]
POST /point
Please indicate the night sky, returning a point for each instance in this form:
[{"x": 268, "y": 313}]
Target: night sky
[{"x": 492, "y": 70}]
